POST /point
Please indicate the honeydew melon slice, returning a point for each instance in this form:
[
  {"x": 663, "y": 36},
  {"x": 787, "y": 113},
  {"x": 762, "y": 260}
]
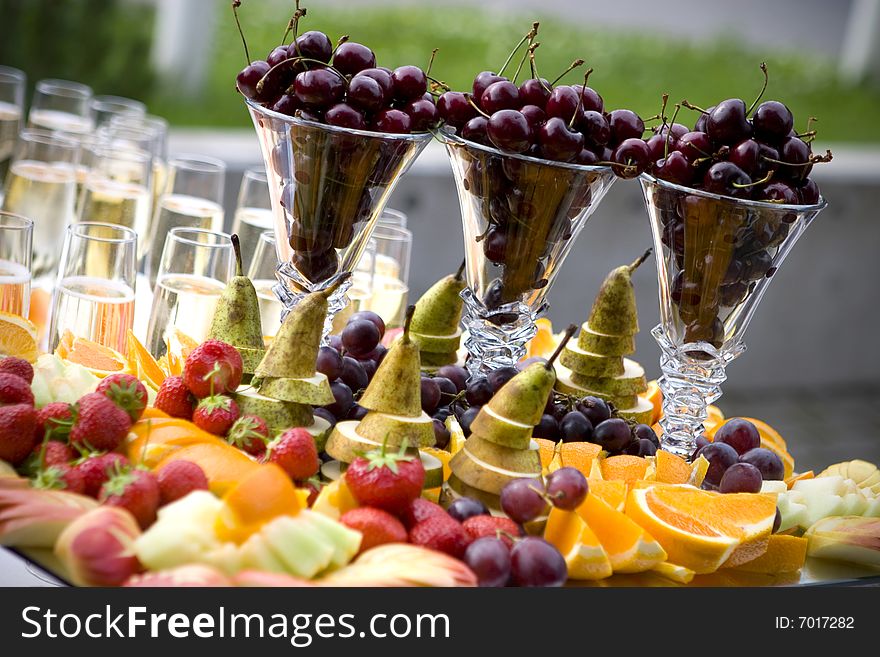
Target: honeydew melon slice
[
  {"x": 500, "y": 430},
  {"x": 293, "y": 541},
  {"x": 346, "y": 542},
  {"x": 589, "y": 363}
]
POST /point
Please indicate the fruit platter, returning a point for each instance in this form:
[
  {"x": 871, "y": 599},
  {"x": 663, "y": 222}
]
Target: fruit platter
[{"x": 472, "y": 445}]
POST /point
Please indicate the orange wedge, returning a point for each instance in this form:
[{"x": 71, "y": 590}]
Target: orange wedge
[
  {"x": 142, "y": 364},
  {"x": 623, "y": 466},
  {"x": 629, "y": 547},
  {"x": 98, "y": 359},
  {"x": 671, "y": 469},
  {"x": 335, "y": 499},
  {"x": 578, "y": 544},
  {"x": 674, "y": 572},
  {"x": 18, "y": 337},
  {"x": 546, "y": 450},
  {"x": 261, "y": 496},
  {"x": 151, "y": 413},
  {"x": 653, "y": 395},
  {"x": 579, "y": 455},
  {"x": 224, "y": 465},
  {"x": 612, "y": 492},
  {"x": 152, "y": 439},
  {"x": 785, "y": 554},
  {"x": 809, "y": 474},
  {"x": 544, "y": 341}
]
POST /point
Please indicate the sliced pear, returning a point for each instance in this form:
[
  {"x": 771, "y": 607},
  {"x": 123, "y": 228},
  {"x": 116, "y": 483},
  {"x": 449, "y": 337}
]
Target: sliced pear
[
  {"x": 483, "y": 475},
  {"x": 600, "y": 343},
  {"x": 589, "y": 363},
  {"x": 418, "y": 431},
  {"x": 517, "y": 460},
  {"x": 279, "y": 414},
  {"x": 437, "y": 344},
  {"x": 345, "y": 444},
  {"x": 314, "y": 390},
  {"x": 641, "y": 413},
  {"x": 631, "y": 382},
  {"x": 429, "y": 359},
  {"x": 500, "y": 430},
  {"x": 456, "y": 488},
  {"x": 320, "y": 430}
]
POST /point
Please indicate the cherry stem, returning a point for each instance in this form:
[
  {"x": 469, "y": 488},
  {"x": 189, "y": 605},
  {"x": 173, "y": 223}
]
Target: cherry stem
[
  {"x": 813, "y": 159},
  {"x": 580, "y": 104},
  {"x": 236, "y": 247},
  {"x": 470, "y": 99},
  {"x": 754, "y": 183},
  {"x": 568, "y": 333},
  {"x": 431, "y": 62},
  {"x": 460, "y": 270},
  {"x": 439, "y": 83},
  {"x": 339, "y": 42},
  {"x": 235, "y": 5},
  {"x": 690, "y": 106},
  {"x": 531, "y": 48},
  {"x": 293, "y": 24},
  {"x": 810, "y": 122},
  {"x": 763, "y": 89},
  {"x": 571, "y": 67},
  {"x": 534, "y": 66},
  {"x": 530, "y": 35},
  {"x": 669, "y": 130}
]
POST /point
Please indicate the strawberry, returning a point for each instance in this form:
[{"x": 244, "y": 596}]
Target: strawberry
[
  {"x": 420, "y": 509},
  {"x": 216, "y": 414},
  {"x": 178, "y": 479},
  {"x": 56, "y": 453},
  {"x": 387, "y": 481},
  {"x": 377, "y": 526},
  {"x": 175, "y": 398},
  {"x": 135, "y": 490},
  {"x": 15, "y": 390},
  {"x": 98, "y": 423},
  {"x": 46, "y": 420},
  {"x": 19, "y": 367},
  {"x": 441, "y": 534},
  {"x": 250, "y": 434},
  {"x": 127, "y": 392},
  {"x": 97, "y": 468},
  {"x": 212, "y": 368},
  {"x": 17, "y": 425},
  {"x": 61, "y": 477},
  {"x": 296, "y": 453},
  {"x": 479, "y": 526}
]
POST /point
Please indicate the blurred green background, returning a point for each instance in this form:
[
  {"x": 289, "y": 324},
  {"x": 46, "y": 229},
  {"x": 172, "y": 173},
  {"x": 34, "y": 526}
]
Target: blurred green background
[{"x": 106, "y": 43}]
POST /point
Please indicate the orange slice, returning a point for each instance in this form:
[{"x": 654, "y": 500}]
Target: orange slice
[
  {"x": 629, "y": 547},
  {"x": 224, "y": 465},
  {"x": 674, "y": 572},
  {"x": 790, "y": 481},
  {"x": 546, "y": 450},
  {"x": 18, "y": 337},
  {"x": 671, "y": 469},
  {"x": 261, "y": 496},
  {"x": 579, "y": 455},
  {"x": 612, "y": 492},
  {"x": 578, "y": 544},
  {"x": 623, "y": 466},
  {"x": 785, "y": 554},
  {"x": 653, "y": 395},
  {"x": 152, "y": 439},
  {"x": 335, "y": 499},
  {"x": 142, "y": 364},
  {"x": 98, "y": 359},
  {"x": 544, "y": 341}
]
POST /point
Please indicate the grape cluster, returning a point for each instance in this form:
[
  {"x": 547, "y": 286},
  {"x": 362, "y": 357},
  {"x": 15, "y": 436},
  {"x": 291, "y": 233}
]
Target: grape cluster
[{"x": 737, "y": 462}]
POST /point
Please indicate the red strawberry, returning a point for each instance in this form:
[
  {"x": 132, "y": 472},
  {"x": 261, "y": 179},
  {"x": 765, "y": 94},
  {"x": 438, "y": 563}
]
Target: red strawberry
[
  {"x": 420, "y": 509},
  {"x": 377, "y": 526},
  {"x": 212, "y": 368},
  {"x": 387, "y": 481},
  {"x": 135, "y": 490},
  {"x": 175, "y": 398},
  {"x": 15, "y": 390},
  {"x": 180, "y": 478},
  {"x": 97, "y": 468},
  {"x": 127, "y": 392},
  {"x": 18, "y": 366},
  {"x": 295, "y": 452},
  {"x": 17, "y": 425},
  {"x": 479, "y": 526},
  {"x": 61, "y": 477},
  {"x": 98, "y": 424},
  {"x": 46, "y": 419},
  {"x": 250, "y": 434},
  {"x": 441, "y": 534},
  {"x": 57, "y": 453},
  {"x": 216, "y": 414}
]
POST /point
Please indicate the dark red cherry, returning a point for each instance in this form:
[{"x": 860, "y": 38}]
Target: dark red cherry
[
  {"x": 249, "y": 76},
  {"x": 727, "y": 179},
  {"x": 495, "y": 245},
  {"x": 657, "y": 146},
  {"x": 534, "y": 115},
  {"x": 454, "y": 108},
  {"x": 500, "y": 95},
  {"x": 392, "y": 121},
  {"x": 595, "y": 127},
  {"x": 590, "y": 99},
  {"x": 383, "y": 77},
  {"x": 365, "y": 93},
  {"x": 727, "y": 123},
  {"x": 409, "y": 82},
  {"x": 278, "y": 55},
  {"x": 510, "y": 131},
  {"x": 312, "y": 44},
  {"x": 778, "y": 191},
  {"x": 483, "y": 80},
  {"x": 772, "y": 121},
  {"x": 586, "y": 157},
  {"x": 345, "y": 116},
  {"x": 535, "y": 92},
  {"x": 563, "y": 102},
  {"x": 694, "y": 145},
  {"x": 745, "y": 155},
  {"x": 351, "y": 58},
  {"x": 423, "y": 114},
  {"x": 796, "y": 154},
  {"x": 677, "y": 129},
  {"x": 625, "y": 124},
  {"x": 475, "y": 130},
  {"x": 808, "y": 192},
  {"x": 631, "y": 157},
  {"x": 319, "y": 87},
  {"x": 700, "y": 125},
  {"x": 558, "y": 142},
  {"x": 675, "y": 168},
  {"x": 288, "y": 104}
]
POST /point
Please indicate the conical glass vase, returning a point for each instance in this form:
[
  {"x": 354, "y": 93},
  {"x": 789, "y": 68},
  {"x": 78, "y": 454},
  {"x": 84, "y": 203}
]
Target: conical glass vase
[
  {"x": 328, "y": 186},
  {"x": 715, "y": 258},
  {"x": 520, "y": 216}
]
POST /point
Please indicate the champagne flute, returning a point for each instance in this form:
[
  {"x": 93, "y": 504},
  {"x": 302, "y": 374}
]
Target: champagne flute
[
  {"x": 41, "y": 185},
  {"x": 16, "y": 237},
  {"x": 12, "y": 83},
  {"x": 392, "y": 217},
  {"x": 93, "y": 296},
  {"x": 193, "y": 269},
  {"x": 104, "y": 108},
  {"x": 192, "y": 199},
  {"x": 262, "y": 269},
  {"x": 61, "y": 106},
  {"x": 157, "y": 128},
  {"x": 390, "y": 273},
  {"x": 253, "y": 213}
]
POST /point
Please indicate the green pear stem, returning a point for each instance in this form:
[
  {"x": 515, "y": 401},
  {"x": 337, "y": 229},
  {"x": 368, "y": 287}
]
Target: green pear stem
[
  {"x": 236, "y": 246},
  {"x": 638, "y": 261},
  {"x": 340, "y": 279},
  {"x": 568, "y": 333},
  {"x": 410, "y": 311},
  {"x": 460, "y": 270}
]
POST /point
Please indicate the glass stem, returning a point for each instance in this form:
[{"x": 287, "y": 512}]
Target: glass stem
[{"x": 491, "y": 343}]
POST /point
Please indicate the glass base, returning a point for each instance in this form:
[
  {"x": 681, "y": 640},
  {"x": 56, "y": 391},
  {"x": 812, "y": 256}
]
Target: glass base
[
  {"x": 291, "y": 288},
  {"x": 691, "y": 380}
]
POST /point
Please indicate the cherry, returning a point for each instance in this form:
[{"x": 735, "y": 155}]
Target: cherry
[
  {"x": 625, "y": 124},
  {"x": 563, "y": 102},
  {"x": 288, "y": 104},
  {"x": 657, "y": 146},
  {"x": 383, "y": 77},
  {"x": 316, "y": 266},
  {"x": 727, "y": 123},
  {"x": 586, "y": 157},
  {"x": 483, "y": 80},
  {"x": 392, "y": 121},
  {"x": 534, "y": 115},
  {"x": 596, "y": 129},
  {"x": 675, "y": 168},
  {"x": 809, "y": 192},
  {"x": 722, "y": 178},
  {"x": 495, "y": 245},
  {"x": 772, "y": 121},
  {"x": 766, "y": 156},
  {"x": 249, "y": 76},
  {"x": 409, "y": 82},
  {"x": 780, "y": 192},
  {"x": 700, "y": 125},
  {"x": 509, "y": 131},
  {"x": 454, "y": 108},
  {"x": 278, "y": 55},
  {"x": 745, "y": 155},
  {"x": 365, "y": 93},
  {"x": 422, "y": 113},
  {"x": 796, "y": 154},
  {"x": 319, "y": 88},
  {"x": 345, "y": 116},
  {"x": 500, "y": 95},
  {"x": 590, "y": 99},
  {"x": 677, "y": 129},
  {"x": 351, "y": 58},
  {"x": 475, "y": 130},
  {"x": 557, "y": 141},
  {"x": 631, "y": 158},
  {"x": 694, "y": 145},
  {"x": 535, "y": 91},
  {"x": 313, "y": 45}
]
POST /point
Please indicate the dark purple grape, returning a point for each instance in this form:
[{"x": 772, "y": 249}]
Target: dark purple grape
[
  {"x": 739, "y": 434},
  {"x": 357, "y": 412},
  {"x": 343, "y": 399},
  {"x": 768, "y": 463},
  {"x": 772, "y": 121},
  {"x": 613, "y": 434},
  {"x": 547, "y": 428},
  {"x": 409, "y": 82},
  {"x": 625, "y": 124},
  {"x": 701, "y": 442},
  {"x": 567, "y": 488},
  {"x": 353, "y": 374},
  {"x": 489, "y": 559},
  {"x": 479, "y": 392},
  {"x": 647, "y": 447},
  {"x": 463, "y": 508},
  {"x": 727, "y": 123},
  {"x": 777, "y": 521},
  {"x": 249, "y": 76},
  {"x": 335, "y": 341},
  {"x": 329, "y": 363},
  {"x": 370, "y": 316},
  {"x": 510, "y": 131},
  {"x": 430, "y": 395},
  {"x": 313, "y": 45},
  {"x": 644, "y": 432},
  {"x": 575, "y": 427},
  {"x": 497, "y": 378},
  {"x": 535, "y": 562},
  {"x": 500, "y": 95},
  {"x": 392, "y": 121},
  {"x": 360, "y": 337},
  {"x": 319, "y": 88},
  {"x": 377, "y": 354},
  {"x": 448, "y": 389},
  {"x": 365, "y": 93},
  {"x": 324, "y": 413},
  {"x": 458, "y": 375},
  {"x": 740, "y": 478},
  {"x": 351, "y": 58},
  {"x": 634, "y": 447},
  {"x": 369, "y": 366},
  {"x": 594, "y": 408},
  {"x": 441, "y": 433},
  {"x": 523, "y": 499},
  {"x": 466, "y": 418},
  {"x": 720, "y": 457},
  {"x": 345, "y": 116}
]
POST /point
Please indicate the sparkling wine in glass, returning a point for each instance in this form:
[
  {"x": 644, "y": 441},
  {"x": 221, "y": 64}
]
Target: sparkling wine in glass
[
  {"x": 262, "y": 269},
  {"x": 16, "y": 235},
  {"x": 61, "y": 106},
  {"x": 149, "y": 133},
  {"x": 253, "y": 213},
  {"x": 12, "y": 82},
  {"x": 104, "y": 108},
  {"x": 390, "y": 272}
]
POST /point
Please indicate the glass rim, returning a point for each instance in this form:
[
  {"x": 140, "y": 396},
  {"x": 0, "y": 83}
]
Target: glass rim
[
  {"x": 178, "y": 235},
  {"x": 15, "y": 221},
  {"x": 113, "y": 152},
  {"x": 256, "y": 173},
  {"x": 198, "y": 163},
  {"x": 109, "y": 100},
  {"x": 80, "y": 230},
  {"x": 141, "y": 121},
  {"x": 67, "y": 88},
  {"x": 48, "y": 138},
  {"x": 268, "y": 235},
  {"x": 646, "y": 178},
  {"x": 9, "y": 73},
  {"x": 396, "y": 233},
  {"x": 296, "y": 120},
  {"x": 448, "y": 137}
]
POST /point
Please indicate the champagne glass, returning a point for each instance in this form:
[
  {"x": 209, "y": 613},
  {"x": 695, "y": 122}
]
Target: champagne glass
[
  {"x": 193, "y": 270},
  {"x": 392, "y": 217},
  {"x": 157, "y": 129},
  {"x": 104, "y": 108},
  {"x": 192, "y": 199},
  {"x": 41, "y": 185},
  {"x": 715, "y": 258},
  {"x": 12, "y": 83},
  {"x": 390, "y": 272},
  {"x": 61, "y": 106},
  {"x": 93, "y": 297},
  {"x": 253, "y": 213},
  {"x": 16, "y": 238},
  {"x": 264, "y": 264}
]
